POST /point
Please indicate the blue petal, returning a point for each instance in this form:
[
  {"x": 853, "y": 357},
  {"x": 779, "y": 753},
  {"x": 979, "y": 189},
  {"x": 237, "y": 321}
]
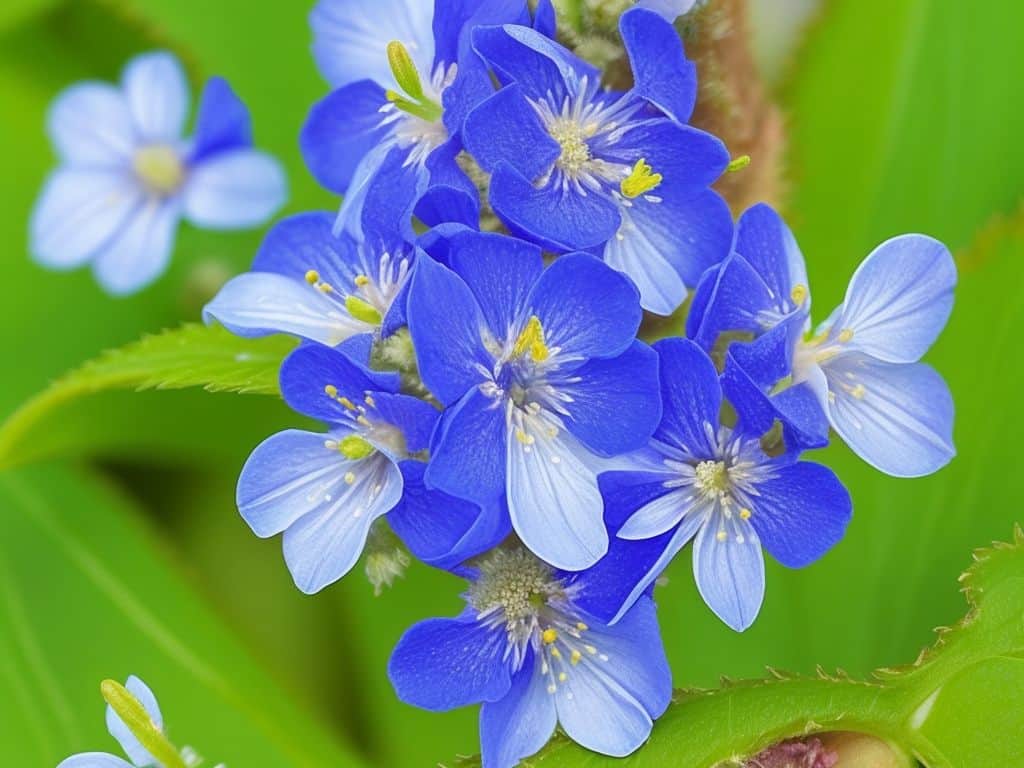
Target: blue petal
[
  {"x": 446, "y": 324},
  {"x": 141, "y": 251},
  {"x": 670, "y": 10},
  {"x": 137, "y": 753},
  {"x": 625, "y": 491},
  {"x": 616, "y": 404},
  {"x": 541, "y": 66},
  {"x": 661, "y": 72},
  {"x": 731, "y": 298},
  {"x": 237, "y": 189},
  {"x": 416, "y": 418},
  {"x": 451, "y": 195},
  {"x": 350, "y": 38},
  {"x": 687, "y": 158},
  {"x": 500, "y": 271},
  {"x": 440, "y": 529},
  {"x": 324, "y": 545},
  {"x": 800, "y": 513},
  {"x": 898, "y": 418},
  {"x": 609, "y": 699},
  {"x": 387, "y": 200},
  {"x": 506, "y": 129},
  {"x": 518, "y": 725},
  {"x": 586, "y": 308},
  {"x": 154, "y": 85},
  {"x": 557, "y": 219},
  {"x": 340, "y": 131},
  {"x": 768, "y": 246},
  {"x": 468, "y": 457},
  {"x": 441, "y": 664},
  {"x": 691, "y": 398},
  {"x": 730, "y": 573},
  {"x": 454, "y": 20},
  {"x": 222, "y": 123},
  {"x": 94, "y": 760},
  {"x": 91, "y": 127},
  {"x": 899, "y": 299},
  {"x": 544, "y": 18},
  {"x": 309, "y": 369},
  {"x": 78, "y": 212}
]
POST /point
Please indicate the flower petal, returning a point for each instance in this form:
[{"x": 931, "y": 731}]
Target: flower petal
[
  {"x": 441, "y": 664},
  {"x": 768, "y": 245},
  {"x": 235, "y": 190},
  {"x": 468, "y": 457},
  {"x": 129, "y": 743},
  {"x": 505, "y": 128},
  {"x": 686, "y": 157},
  {"x": 730, "y": 571},
  {"x": 731, "y": 298},
  {"x": 691, "y": 398},
  {"x": 94, "y": 760},
  {"x": 350, "y": 38},
  {"x": 553, "y": 498},
  {"x": 898, "y": 418},
  {"x": 586, "y": 308},
  {"x": 157, "y": 93},
  {"x": 800, "y": 513},
  {"x": 223, "y": 121},
  {"x": 661, "y": 72},
  {"x": 899, "y": 299},
  {"x": 141, "y": 251},
  {"x": 326, "y": 543},
  {"x": 518, "y": 725},
  {"x": 78, "y": 212},
  {"x": 91, "y": 126},
  {"x": 670, "y": 10}
]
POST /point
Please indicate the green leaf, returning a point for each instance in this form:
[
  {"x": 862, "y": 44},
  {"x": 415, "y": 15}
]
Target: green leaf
[
  {"x": 86, "y": 594},
  {"x": 190, "y": 356},
  {"x": 960, "y": 705}
]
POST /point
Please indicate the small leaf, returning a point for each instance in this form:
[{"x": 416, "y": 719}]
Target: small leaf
[{"x": 190, "y": 356}]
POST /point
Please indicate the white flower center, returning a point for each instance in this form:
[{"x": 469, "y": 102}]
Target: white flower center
[{"x": 159, "y": 168}]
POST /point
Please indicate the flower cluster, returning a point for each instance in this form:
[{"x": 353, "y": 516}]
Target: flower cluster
[{"x": 469, "y": 328}]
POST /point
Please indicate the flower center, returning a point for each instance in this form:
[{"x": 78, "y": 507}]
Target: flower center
[
  {"x": 159, "y": 168},
  {"x": 572, "y": 139},
  {"x": 712, "y": 478},
  {"x": 514, "y": 586}
]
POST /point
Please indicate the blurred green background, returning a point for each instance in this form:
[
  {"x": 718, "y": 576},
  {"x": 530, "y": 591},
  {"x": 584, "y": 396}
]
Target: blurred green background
[{"x": 127, "y": 554}]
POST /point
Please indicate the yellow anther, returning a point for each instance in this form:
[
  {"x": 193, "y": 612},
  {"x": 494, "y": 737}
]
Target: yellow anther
[
  {"x": 798, "y": 294},
  {"x": 363, "y": 420},
  {"x": 355, "y": 447},
  {"x": 362, "y": 280},
  {"x": 350, "y": 477},
  {"x": 738, "y": 163},
  {"x": 370, "y": 401},
  {"x": 404, "y": 70},
  {"x": 590, "y": 649},
  {"x": 331, "y": 391},
  {"x": 581, "y": 626},
  {"x": 312, "y": 277},
  {"x": 562, "y": 677},
  {"x": 524, "y": 438},
  {"x": 859, "y": 391},
  {"x": 532, "y": 340},
  {"x": 347, "y": 403},
  {"x": 640, "y": 180},
  {"x": 555, "y": 653},
  {"x": 845, "y": 335},
  {"x": 745, "y": 514},
  {"x": 549, "y": 635},
  {"x": 324, "y": 287},
  {"x": 574, "y": 657},
  {"x": 721, "y": 536},
  {"x": 159, "y": 168},
  {"x": 362, "y": 310}
]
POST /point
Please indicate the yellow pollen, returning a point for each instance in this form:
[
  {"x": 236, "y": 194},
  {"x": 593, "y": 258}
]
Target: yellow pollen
[
  {"x": 745, "y": 514},
  {"x": 581, "y": 626},
  {"x": 798, "y": 294},
  {"x": 712, "y": 477},
  {"x": 590, "y": 649},
  {"x": 859, "y": 391},
  {"x": 572, "y": 139},
  {"x": 574, "y": 657},
  {"x": 350, "y": 477},
  {"x": 562, "y": 677},
  {"x": 721, "y": 536},
  {"x": 331, "y": 390},
  {"x": 347, "y": 403},
  {"x": 364, "y": 421},
  {"x": 362, "y": 310},
  {"x": 549, "y": 636},
  {"x": 370, "y": 401},
  {"x": 845, "y": 335},
  {"x": 324, "y": 287},
  {"x": 312, "y": 277},
  {"x": 354, "y": 447},
  {"x": 555, "y": 653},
  {"x": 532, "y": 340},
  {"x": 640, "y": 180},
  {"x": 524, "y": 438},
  {"x": 159, "y": 168},
  {"x": 362, "y": 280}
]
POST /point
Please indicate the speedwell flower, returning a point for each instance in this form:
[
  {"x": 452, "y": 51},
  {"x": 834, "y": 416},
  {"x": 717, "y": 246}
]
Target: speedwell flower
[
  {"x": 127, "y": 175},
  {"x": 715, "y": 486},
  {"x": 859, "y": 370},
  {"x": 325, "y": 490},
  {"x": 314, "y": 284},
  {"x": 533, "y": 659},
  {"x": 137, "y": 754},
  {"x": 405, "y": 76},
  {"x": 541, "y": 375},
  {"x": 577, "y": 167}
]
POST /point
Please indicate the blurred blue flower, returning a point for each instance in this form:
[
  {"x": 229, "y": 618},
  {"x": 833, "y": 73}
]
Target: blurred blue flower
[
  {"x": 139, "y": 756},
  {"x": 669, "y": 9},
  {"x": 541, "y": 375},
  {"x": 405, "y": 76},
  {"x": 859, "y": 370},
  {"x": 127, "y": 175},
  {"x": 577, "y": 167},
  {"x": 716, "y": 486},
  {"x": 533, "y": 659},
  {"x": 325, "y": 490},
  {"x": 311, "y": 283}
]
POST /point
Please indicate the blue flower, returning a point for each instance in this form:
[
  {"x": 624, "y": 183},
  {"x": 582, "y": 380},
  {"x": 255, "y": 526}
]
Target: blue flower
[
  {"x": 325, "y": 490},
  {"x": 541, "y": 376},
  {"x": 533, "y": 659},
  {"x": 859, "y": 370},
  {"x": 715, "y": 486},
  {"x": 577, "y": 167},
  {"x": 669, "y": 9},
  {"x": 405, "y": 76},
  {"x": 137, "y": 754},
  {"x": 314, "y": 284},
  {"x": 127, "y": 175}
]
